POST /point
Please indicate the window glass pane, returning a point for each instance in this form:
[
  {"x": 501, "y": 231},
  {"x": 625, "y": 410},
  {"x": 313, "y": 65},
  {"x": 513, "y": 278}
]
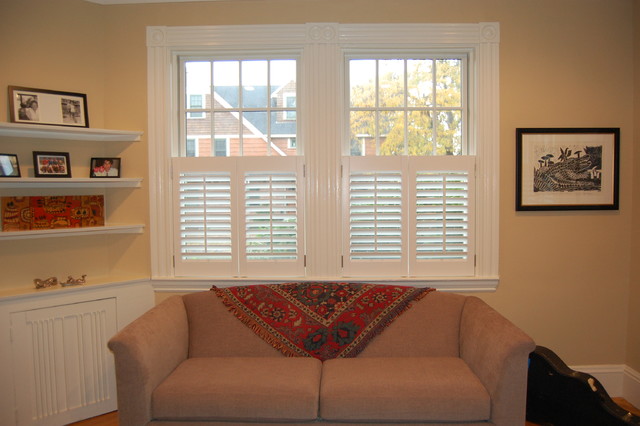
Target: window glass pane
[
  {"x": 362, "y": 77},
  {"x": 449, "y": 133},
  {"x": 391, "y": 125},
  {"x": 255, "y": 139},
  {"x": 254, "y": 84},
  {"x": 420, "y": 133},
  {"x": 449, "y": 83},
  {"x": 226, "y": 83},
  {"x": 283, "y": 130},
  {"x": 419, "y": 83},
  {"x": 227, "y": 128},
  {"x": 198, "y": 129},
  {"x": 391, "y": 83},
  {"x": 362, "y": 133}
]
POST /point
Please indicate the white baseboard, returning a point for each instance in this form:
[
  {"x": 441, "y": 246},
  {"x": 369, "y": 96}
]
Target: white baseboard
[{"x": 618, "y": 380}]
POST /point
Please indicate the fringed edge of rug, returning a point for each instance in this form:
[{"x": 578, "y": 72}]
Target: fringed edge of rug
[
  {"x": 383, "y": 324},
  {"x": 255, "y": 326}
]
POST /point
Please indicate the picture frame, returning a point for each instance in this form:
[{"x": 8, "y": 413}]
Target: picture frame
[
  {"x": 48, "y": 107},
  {"x": 105, "y": 167},
  {"x": 9, "y": 166},
  {"x": 51, "y": 164},
  {"x": 567, "y": 169}
]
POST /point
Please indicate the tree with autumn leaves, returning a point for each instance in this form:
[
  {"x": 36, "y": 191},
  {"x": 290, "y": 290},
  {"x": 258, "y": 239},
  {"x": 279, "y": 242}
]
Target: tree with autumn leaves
[{"x": 430, "y": 102}]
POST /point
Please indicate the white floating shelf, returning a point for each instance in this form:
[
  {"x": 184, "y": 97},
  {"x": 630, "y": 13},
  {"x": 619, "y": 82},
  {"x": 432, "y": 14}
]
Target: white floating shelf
[
  {"x": 70, "y": 182},
  {"x": 70, "y": 232},
  {"x": 69, "y": 133}
]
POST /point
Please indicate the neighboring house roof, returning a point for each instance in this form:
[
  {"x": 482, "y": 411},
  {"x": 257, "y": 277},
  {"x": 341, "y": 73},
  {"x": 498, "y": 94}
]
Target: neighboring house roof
[{"x": 252, "y": 97}]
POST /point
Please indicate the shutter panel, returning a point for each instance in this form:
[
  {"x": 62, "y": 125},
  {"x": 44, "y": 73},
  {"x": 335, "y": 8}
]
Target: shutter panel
[
  {"x": 203, "y": 234},
  {"x": 374, "y": 213},
  {"x": 442, "y": 200},
  {"x": 271, "y": 241},
  {"x": 408, "y": 216}
]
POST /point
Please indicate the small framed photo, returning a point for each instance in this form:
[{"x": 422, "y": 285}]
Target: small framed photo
[
  {"x": 51, "y": 164},
  {"x": 9, "y": 166},
  {"x": 567, "y": 168},
  {"x": 105, "y": 167},
  {"x": 49, "y": 107}
]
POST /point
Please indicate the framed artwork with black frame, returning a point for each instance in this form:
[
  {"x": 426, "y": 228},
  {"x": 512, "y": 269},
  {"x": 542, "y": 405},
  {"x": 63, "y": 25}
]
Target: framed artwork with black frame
[
  {"x": 49, "y": 107},
  {"x": 567, "y": 168},
  {"x": 9, "y": 166},
  {"x": 51, "y": 164}
]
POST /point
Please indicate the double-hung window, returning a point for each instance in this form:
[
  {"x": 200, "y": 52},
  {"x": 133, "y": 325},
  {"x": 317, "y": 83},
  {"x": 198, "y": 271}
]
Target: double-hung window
[
  {"x": 325, "y": 151},
  {"x": 238, "y": 202},
  {"x": 408, "y": 198}
]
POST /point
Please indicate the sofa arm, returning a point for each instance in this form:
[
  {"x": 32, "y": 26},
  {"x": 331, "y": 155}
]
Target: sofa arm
[
  {"x": 146, "y": 352},
  {"x": 497, "y": 351}
]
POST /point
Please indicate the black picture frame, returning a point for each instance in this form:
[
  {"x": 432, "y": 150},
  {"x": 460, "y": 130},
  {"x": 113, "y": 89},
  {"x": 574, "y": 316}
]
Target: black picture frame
[
  {"x": 105, "y": 167},
  {"x": 567, "y": 169},
  {"x": 51, "y": 164},
  {"x": 47, "y": 107},
  {"x": 9, "y": 166}
]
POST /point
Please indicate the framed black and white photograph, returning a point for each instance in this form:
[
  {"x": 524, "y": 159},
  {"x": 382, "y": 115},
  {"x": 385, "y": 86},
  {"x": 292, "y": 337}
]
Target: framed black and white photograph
[
  {"x": 51, "y": 164},
  {"x": 9, "y": 166},
  {"x": 49, "y": 107},
  {"x": 567, "y": 168},
  {"x": 105, "y": 167}
]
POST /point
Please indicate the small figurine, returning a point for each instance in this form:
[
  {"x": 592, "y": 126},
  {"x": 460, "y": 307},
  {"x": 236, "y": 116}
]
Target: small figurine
[
  {"x": 72, "y": 281},
  {"x": 49, "y": 282}
]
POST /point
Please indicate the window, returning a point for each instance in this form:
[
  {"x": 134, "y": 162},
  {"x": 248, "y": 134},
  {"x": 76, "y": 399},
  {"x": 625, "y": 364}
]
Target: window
[
  {"x": 408, "y": 198},
  {"x": 195, "y": 102},
  {"x": 393, "y": 173}
]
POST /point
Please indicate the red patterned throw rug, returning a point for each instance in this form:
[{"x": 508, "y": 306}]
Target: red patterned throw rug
[{"x": 320, "y": 319}]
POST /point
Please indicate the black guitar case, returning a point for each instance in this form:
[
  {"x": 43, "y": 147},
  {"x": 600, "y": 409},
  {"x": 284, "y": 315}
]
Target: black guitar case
[{"x": 560, "y": 396}]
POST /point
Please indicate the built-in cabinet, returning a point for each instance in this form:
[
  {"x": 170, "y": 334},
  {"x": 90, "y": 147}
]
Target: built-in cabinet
[{"x": 55, "y": 367}]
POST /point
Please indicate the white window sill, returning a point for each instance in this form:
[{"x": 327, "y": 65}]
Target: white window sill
[{"x": 454, "y": 284}]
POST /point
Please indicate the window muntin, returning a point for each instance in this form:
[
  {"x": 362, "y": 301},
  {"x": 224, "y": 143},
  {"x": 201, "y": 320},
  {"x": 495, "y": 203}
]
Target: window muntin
[
  {"x": 408, "y": 106},
  {"x": 250, "y": 103}
]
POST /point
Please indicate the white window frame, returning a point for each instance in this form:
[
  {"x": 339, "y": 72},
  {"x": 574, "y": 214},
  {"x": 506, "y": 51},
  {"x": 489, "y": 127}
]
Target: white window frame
[{"x": 323, "y": 47}]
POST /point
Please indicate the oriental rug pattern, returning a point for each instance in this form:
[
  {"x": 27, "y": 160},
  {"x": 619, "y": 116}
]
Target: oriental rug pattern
[{"x": 320, "y": 319}]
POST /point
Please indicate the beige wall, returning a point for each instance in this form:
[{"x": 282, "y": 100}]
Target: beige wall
[{"x": 566, "y": 278}]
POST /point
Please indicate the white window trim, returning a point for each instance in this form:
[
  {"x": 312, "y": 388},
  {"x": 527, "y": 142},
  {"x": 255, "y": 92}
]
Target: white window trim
[{"x": 323, "y": 47}]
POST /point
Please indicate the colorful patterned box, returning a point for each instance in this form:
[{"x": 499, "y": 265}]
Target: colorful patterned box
[{"x": 51, "y": 212}]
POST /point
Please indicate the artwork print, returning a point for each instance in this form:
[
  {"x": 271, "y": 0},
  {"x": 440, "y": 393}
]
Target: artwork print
[{"x": 567, "y": 169}]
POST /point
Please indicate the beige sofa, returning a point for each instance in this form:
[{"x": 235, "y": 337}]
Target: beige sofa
[{"x": 449, "y": 359}]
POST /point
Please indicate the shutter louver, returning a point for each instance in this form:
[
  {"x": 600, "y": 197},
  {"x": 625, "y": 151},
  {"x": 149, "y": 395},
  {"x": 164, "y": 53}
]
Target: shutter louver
[
  {"x": 375, "y": 215},
  {"x": 442, "y": 215},
  {"x": 271, "y": 208},
  {"x": 205, "y": 216}
]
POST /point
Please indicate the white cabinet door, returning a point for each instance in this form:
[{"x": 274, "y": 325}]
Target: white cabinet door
[{"x": 63, "y": 370}]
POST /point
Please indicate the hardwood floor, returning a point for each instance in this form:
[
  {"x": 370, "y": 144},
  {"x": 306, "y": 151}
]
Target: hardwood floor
[{"x": 111, "y": 419}]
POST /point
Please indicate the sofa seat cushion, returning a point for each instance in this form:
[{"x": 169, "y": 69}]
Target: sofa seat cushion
[
  {"x": 240, "y": 389},
  {"x": 440, "y": 389}
]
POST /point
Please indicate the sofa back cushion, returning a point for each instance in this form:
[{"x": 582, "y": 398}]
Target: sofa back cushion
[
  {"x": 429, "y": 328},
  {"x": 216, "y": 332}
]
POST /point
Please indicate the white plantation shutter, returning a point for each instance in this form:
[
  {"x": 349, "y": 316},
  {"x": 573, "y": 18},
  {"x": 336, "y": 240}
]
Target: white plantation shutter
[
  {"x": 205, "y": 222},
  {"x": 408, "y": 216},
  {"x": 271, "y": 240},
  {"x": 442, "y": 197},
  {"x": 374, "y": 213},
  {"x": 239, "y": 216}
]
